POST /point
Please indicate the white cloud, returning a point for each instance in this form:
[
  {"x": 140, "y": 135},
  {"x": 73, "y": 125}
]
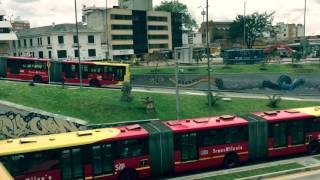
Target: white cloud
[{"x": 44, "y": 12}]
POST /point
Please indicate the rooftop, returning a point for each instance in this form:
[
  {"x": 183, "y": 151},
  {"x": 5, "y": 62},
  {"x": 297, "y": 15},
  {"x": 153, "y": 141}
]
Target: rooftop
[{"x": 58, "y": 28}]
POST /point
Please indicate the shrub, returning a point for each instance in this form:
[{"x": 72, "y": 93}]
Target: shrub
[
  {"x": 274, "y": 100},
  {"x": 126, "y": 92}
]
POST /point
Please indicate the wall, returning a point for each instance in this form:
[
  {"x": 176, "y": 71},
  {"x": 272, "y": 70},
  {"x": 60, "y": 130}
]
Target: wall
[{"x": 18, "y": 121}]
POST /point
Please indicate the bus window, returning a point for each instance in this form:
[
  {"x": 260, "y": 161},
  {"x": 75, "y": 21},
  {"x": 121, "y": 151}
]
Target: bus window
[
  {"x": 14, "y": 67},
  {"x": 297, "y": 132},
  {"x": 187, "y": 144},
  {"x": 131, "y": 148},
  {"x": 108, "y": 73},
  {"x": 85, "y": 71}
]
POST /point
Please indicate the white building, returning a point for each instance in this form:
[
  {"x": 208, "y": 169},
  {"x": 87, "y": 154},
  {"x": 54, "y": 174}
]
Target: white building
[
  {"x": 289, "y": 32},
  {"x": 6, "y": 33},
  {"x": 58, "y": 42}
]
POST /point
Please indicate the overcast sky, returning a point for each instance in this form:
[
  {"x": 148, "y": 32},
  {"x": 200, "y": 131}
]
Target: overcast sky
[{"x": 44, "y": 12}]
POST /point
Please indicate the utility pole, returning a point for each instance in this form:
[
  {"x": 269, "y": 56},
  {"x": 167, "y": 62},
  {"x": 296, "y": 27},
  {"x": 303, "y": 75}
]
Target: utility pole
[
  {"x": 77, "y": 28},
  {"x": 304, "y": 29},
  {"x": 244, "y": 24},
  {"x": 208, "y": 63},
  {"x": 177, "y": 83}
]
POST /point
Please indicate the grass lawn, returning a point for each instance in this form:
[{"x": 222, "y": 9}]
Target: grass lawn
[
  {"x": 104, "y": 106},
  {"x": 255, "y": 68},
  {"x": 255, "y": 172},
  {"x": 317, "y": 157}
]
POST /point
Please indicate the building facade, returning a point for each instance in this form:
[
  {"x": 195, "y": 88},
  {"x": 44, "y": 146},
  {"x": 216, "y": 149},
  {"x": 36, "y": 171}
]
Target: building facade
[
  {"x": 288, "y": 32},
  {"x": 218, "y": 33},
  {"x": 134, "y": 32},
  {"x": 6, "y": 34},
  {"x": 58, "y": 42}
]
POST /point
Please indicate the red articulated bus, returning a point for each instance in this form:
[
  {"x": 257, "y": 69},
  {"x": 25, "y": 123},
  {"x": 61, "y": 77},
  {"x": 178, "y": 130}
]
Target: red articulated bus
[
  {"x": 94, "y": 74},
  {"x": 158, "y": 148}
]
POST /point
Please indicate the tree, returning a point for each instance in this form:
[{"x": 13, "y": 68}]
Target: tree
[
  {"x": 256, "y": 24},
  {"x": 126, "y": 92},
  {"x": 176, "y": 7}
]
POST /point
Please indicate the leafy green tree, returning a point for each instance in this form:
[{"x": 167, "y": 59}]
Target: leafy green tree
[
  {"x": 176, "y": 7},
  {"x": 256, "y": 24}
]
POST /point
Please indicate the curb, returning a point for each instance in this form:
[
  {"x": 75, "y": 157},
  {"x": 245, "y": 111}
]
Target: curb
[{"x": 282, "y": 173}]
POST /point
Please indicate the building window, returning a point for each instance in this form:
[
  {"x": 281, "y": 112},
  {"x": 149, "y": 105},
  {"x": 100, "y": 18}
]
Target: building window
[
  {"x": 49, "y": 40},
  {"x": 39, "y": 41},
  {"x": 25, "y": 43},
  {"x": 158, "y": 37},
  {"x": 158, "y": 18},
  {"x": 158, "y": 46},
  {"x": 40, "y": 54},
  {"x": 14, "y": 54},
  {"x": 76, "y": 53},
  {"x": 31, "y": 42},
  {"x": 121, "y": 27},
  {"x": 122, "y": 37},
  {"x": 92, "y": 52},
  {"x": 158, "y": 28},
  {"x": 91, "y": 39},
  {"x": 121, "y": 17},
  {"x": 49, "y": 54},
  {"x": 62, "y": 54},
  {"x": 19, "y": 43},
  {"x": 119, "y": 47},
  {"x": 60, "y": 40},
  {"x": 4, "y": 30},
  {"x": 75, "y": 39},
  {"x": 14, "y": 44}
]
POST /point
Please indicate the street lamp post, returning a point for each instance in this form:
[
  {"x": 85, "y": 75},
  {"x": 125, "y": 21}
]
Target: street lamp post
[
  {"x": 208, "y": 63},
  {"x": 244, "y": 24},
  {"x": 78, "y": 47},
  {"x": 304, "y": 29}
]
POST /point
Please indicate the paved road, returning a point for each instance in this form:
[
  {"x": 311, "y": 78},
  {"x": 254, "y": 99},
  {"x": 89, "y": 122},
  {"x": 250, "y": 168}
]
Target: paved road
[{"x": 226, "y": 94}]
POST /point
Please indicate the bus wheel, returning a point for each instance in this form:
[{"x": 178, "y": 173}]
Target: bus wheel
[
  {"x": 128, "y": 175},
  {"x": 231, "y": 160},
  {"x": 313, "y": 148},
  {"x": 37, "y": 79},
  {"x": 94, "y": 83}
]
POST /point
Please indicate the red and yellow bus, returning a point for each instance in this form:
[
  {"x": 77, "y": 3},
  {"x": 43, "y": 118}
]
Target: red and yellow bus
[
  {"x": 158, "y": 148},
  {"x": 95, "y": 74}
]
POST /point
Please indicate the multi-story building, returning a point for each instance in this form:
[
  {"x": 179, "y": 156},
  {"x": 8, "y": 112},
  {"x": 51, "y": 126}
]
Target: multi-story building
[
  {"x": 217, "y": 30},
  {"x": 129, "y": 32},
  {"x": 19, "y": 24},
  {"x": 58, "y": 42},
  {"x": 6, "y": 34},
  {"x": 288, "y": 32}
]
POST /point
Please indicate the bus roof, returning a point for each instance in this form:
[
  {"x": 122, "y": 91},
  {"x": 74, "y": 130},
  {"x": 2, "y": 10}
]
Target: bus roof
[
  {"x": 55, "y": 141},
  {"x": 70, "y": 139},
  {"x": 291, "y": 114},
  {"x": 96, "y": 63},
  {"x": 189, "y": 125},
  {"x": 28, "y": 58}
]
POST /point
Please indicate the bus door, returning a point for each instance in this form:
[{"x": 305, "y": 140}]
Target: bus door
[
  {"x": 119, "y": 72},
  {"x": 279, "y": 135},
  {"x": 297, "y": 132},
  {"x": 102, "y": 160},
  {"x": 71, "y": 71},
  {"x": 14, "y": 66},
  {"x": 188, "y": 146},
  {"x": 71, "y": 164}
]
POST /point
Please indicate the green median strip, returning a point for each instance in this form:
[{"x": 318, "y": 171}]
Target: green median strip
[{"x": 255, "y": 172}]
